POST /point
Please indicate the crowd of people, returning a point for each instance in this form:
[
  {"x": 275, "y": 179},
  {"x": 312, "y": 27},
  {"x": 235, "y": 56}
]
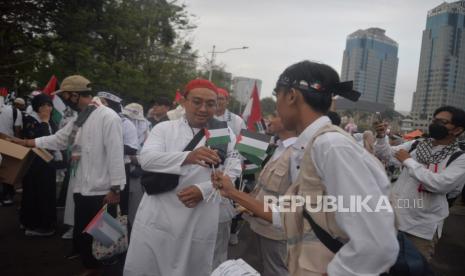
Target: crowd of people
[{"x": 182, "y": 221}]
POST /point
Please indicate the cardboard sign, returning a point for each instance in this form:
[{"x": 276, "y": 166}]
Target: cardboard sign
[{"x": 16, "y": 160}]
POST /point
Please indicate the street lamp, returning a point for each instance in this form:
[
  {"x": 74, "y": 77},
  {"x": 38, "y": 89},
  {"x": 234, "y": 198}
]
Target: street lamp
[{"x": 213, "y": 52}]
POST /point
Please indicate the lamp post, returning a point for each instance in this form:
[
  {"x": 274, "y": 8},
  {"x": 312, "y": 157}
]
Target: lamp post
[{"x": 212, "y": 60}]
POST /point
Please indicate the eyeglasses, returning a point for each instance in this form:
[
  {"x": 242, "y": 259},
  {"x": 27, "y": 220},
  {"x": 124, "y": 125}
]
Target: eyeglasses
[
  {"x": 441, "y": 121},
  {"x": 197, "y": 103}
]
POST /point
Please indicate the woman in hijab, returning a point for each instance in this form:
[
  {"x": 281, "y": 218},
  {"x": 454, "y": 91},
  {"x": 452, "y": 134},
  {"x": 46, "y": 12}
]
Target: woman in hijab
[{"x": 38, "y": 210}]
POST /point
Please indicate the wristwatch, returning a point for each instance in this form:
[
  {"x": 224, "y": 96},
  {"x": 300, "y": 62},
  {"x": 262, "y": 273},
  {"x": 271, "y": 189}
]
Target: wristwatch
[{"x": 115, "y": 189}]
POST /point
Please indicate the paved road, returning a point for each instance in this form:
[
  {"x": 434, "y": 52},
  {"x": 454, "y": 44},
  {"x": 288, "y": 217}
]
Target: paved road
[{"x": 20, "y": 255}]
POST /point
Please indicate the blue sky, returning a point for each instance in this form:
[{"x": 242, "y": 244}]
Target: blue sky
[{"x": 282, "y": 32}]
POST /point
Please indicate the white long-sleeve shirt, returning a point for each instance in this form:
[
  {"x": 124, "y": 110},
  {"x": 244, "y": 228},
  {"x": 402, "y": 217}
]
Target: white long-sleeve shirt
[
  {"x": 346, "y": 169},
  {"x": 6, "y": 120},
  {"x": 101, "y": 164},
  {"x": 422, "y": 213}
]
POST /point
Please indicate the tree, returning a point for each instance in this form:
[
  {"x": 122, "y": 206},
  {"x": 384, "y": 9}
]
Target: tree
[
  {"x": 24, "y": 24},
  {"x": 235, "y": 106},
  {"x": 268, "y": 106},
  {"x": 135, "y": 48}
]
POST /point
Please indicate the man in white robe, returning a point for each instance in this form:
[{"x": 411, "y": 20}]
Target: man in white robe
[
  {"x": 174, "y": 233},
  {"x": 97, "y": 152}
]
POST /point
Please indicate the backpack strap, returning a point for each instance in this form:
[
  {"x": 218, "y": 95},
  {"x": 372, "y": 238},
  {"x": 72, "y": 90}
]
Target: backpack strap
[
  {"x": 414, "y": 146},
  {"x": 454, "y": 156},
  {"x": 15, "y": 116}
]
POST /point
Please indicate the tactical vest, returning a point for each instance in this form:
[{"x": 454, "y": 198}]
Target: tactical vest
[
  {"x": 306, "y": 254},
  {"x": 274, "y": 180}
]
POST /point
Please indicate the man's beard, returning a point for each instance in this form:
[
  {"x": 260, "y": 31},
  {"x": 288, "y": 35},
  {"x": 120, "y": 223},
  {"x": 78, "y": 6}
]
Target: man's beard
[{"x": 74, "y": 106}]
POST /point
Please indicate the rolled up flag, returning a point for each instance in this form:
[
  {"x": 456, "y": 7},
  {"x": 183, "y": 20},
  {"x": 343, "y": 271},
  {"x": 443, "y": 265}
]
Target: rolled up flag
[
  {"x": 217, "y": 136},
  {"x": 105, "y": 228},
  {"x": 253, "y": 146},
  {"x": 250, "y": 169}
]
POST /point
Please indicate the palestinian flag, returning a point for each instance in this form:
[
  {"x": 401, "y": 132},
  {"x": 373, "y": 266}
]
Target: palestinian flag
[
  {"x": 252, "y": 113},
  {"x": 58, "y": 104},
  {"x": 250, "y": 169},
  {"x": 253, "y": 145},
  {"x": 105, "y": 228},
  {"x": 58, "y": 109},
  {"x": 3, "y": 92},
  {"x": 257, "y": 160},
  {"x": 51, "y": 87},
  {"x": 217, "y": 136}
]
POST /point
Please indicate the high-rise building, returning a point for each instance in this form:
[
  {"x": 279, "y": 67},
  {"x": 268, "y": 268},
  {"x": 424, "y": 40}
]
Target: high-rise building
[
  {"x": 370, "y": 60},
  {"x": 242, "y": 88},
  {"x": 441, "y": 74}
]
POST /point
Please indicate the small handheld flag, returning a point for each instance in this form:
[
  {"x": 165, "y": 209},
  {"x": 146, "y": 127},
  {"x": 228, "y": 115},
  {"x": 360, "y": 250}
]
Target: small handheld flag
[
  {"x": 253, "y": 146},
  {"x": 250, "y": 169},
  {"x": 217, "y": 136},
  {"x": 105, "y": 228}
]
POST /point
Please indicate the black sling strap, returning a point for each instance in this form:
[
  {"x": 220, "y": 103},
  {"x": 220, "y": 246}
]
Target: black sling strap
[
  {"x": 330, "y": 242},
  {"x": 195, "y": 140}
]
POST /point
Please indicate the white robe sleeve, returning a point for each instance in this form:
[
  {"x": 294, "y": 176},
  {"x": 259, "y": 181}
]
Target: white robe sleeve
[
  {"x": 57, "y": 141},
  {"x": 448, "y": 180},
  {"x": 385, "y": 152},
  {"x": 114, "y": 149},
  {"x": 154, "y": 156}
]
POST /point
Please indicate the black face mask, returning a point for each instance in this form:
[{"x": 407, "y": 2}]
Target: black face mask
[{"x": 438, "y": 131}]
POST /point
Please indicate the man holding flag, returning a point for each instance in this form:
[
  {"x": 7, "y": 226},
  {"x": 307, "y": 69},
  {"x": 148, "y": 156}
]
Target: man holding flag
[
  {"x": 174, "y": 232},
  {"x": 97, "y": 175}
]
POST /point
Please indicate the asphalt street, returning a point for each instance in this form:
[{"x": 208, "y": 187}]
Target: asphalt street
[{"x": 21, "y": 255}]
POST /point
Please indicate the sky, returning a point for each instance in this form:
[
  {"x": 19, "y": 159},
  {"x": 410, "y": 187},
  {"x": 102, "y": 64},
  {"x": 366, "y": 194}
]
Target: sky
[{"x": 282, "y": 32}]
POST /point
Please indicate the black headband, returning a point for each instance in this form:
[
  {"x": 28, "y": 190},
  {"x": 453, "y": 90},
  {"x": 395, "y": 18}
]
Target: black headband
[{"x": 344, "y": 89}]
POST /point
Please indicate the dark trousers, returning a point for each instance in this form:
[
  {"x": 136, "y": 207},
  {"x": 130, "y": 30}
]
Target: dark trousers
[
  {"x": 7, "y": 191},
  {"x": 86, "y": 207},
  {"x": 38, "y": 204},
  {"x": 61, "y": 201},
  {"x": 124, "y": 195}
]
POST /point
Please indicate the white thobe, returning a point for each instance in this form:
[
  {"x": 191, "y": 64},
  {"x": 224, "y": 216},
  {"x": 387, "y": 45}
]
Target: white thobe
[
  {"x": 167, "y": 237},
  {"x": 101, "y": 164},
  {"x": 422, "y": 213},
  {"x": 143, "y": 127},
  {"x": 347, "y": 169},
  {"x": 129, "y": 137}
]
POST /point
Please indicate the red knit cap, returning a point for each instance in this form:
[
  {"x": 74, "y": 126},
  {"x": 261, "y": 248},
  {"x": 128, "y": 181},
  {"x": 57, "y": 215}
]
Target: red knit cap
[
  {"x": 223, "y": 92},
  {"x": 200, "y": 83}
]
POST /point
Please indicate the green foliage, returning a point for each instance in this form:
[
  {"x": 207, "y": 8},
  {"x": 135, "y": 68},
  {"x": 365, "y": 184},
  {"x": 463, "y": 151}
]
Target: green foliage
[
  {"x": 268, "y": 106},
  {"x": 132, "y": 47},
  {"x": 235, "y": 106}
]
